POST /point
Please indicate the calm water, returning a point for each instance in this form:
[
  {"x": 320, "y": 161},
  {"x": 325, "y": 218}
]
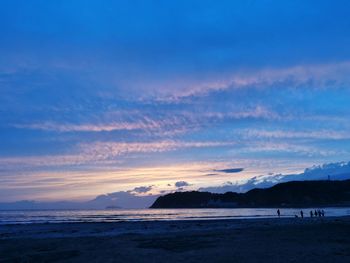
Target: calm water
[{"x": 58, "y": 216}]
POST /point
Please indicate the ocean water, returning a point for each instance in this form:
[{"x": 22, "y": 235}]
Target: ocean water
[{"x": 115, "y": 215}]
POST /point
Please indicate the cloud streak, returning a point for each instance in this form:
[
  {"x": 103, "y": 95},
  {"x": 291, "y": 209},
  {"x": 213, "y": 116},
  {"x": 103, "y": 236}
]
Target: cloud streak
[
  {"x": 62, "y": 127},
  {"x": 178, "y": 122},
  {"x": 103, "y": 152},
  {"x": 315, "y": 76},
  {"x": 230, "y": 170},
  {"x": 290, "y": 134}
]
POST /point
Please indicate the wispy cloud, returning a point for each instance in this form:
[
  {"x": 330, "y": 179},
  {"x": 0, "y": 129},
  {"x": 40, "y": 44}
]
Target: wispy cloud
[
  {"x": 284, "y": 147},
  {"x": 320, "y": 76},
  {"x": 170, "y": 124},
  {"x": 106, "y": 150},
  {"x": 290, "y": 134},
  {"x": 103, "y": 152},
  {"x": 68, "y": 127},
  {"x": 256, "y": 112}
]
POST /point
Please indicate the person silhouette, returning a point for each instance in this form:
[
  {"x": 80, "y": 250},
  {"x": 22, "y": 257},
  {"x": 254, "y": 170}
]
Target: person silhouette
[
  {"x": 315, "y": 213},
  {"x": 301, "y": 213},
  {"x": 322, "y": 212},
  {"x": 311, "y": 214},
  {"x": 278, "y": 213}
]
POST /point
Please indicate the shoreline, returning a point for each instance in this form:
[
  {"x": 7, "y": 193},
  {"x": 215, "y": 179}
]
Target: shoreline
[
  {"x": 22, "y": 217},
  {"x": 180, "y": 208}
]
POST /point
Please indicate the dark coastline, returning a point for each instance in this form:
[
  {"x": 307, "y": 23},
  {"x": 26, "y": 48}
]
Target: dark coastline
[{"x": 293, "y": 194}]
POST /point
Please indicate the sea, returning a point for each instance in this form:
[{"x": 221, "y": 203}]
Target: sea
[{"x": 117, "y": 215}]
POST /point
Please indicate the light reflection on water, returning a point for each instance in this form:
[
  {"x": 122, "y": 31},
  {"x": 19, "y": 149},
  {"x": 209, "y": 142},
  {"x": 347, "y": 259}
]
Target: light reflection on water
[{"x": 59, "y": 216}]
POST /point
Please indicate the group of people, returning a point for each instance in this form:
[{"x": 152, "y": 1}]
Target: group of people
[
  {"x": 316, "y": 213},
  {"x": 319, "y": 213}
]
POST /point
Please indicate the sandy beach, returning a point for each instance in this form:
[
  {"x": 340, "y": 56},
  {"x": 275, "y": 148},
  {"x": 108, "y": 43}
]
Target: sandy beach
[{"x": 255, "y": 240}]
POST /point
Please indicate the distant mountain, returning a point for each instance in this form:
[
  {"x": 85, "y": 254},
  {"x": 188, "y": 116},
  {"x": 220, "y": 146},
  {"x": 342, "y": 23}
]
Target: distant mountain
[
  {"x": 116, "y": 200},
  {"x": 290, "y": 194}
]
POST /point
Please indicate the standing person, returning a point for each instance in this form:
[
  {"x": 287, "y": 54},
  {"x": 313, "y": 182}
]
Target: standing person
[
  {"x": 301, "y": 213},
  {"x": 278, "y": 213},
  {"x": 322, "y": 212},
  {"x": 311, "y": 214},
  {"x": 315, "y": 213}
]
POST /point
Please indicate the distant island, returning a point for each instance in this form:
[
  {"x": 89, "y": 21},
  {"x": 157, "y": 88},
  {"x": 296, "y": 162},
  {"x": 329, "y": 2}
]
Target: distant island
[
  {"x": 113, "y": 207},
  {"x": 289, "y": 194}
]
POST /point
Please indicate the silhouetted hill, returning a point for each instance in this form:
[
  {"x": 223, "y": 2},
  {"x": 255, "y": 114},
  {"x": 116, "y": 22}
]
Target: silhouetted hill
[{"x": 290, "y": 194}]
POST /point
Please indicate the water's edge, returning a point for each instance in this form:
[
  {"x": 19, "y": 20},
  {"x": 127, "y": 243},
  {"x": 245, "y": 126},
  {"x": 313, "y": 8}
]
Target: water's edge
[{"x": 88, "y": 216}]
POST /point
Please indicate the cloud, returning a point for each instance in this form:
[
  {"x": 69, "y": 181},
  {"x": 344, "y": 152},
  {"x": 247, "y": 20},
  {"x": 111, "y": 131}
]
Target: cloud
[
  {"x": 170, "y": 122},
  {"x": 110, "y": 120},
  {"x": 290, "y": 148},
  {"x": 180, "y": 184},
  {"x": 231, "y": 170},
  {"x": 249, "y": 112},
  {"x": 318, "y": 76},
  {"x": 336, "y": 171},
  {"x": 294, "y": 134},
  {"x": 70, "y": 127},
  {"x": 142, "y": 189},
  {"x": 105, "y": 152}
]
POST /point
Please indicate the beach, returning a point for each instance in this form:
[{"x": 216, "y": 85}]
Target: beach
[{"x": 240, "y": 240}]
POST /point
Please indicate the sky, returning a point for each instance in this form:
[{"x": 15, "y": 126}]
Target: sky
[{"x": 149, "y": 97}]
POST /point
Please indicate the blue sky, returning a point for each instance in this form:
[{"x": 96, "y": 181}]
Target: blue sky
[{"x": 105, "y": 96}]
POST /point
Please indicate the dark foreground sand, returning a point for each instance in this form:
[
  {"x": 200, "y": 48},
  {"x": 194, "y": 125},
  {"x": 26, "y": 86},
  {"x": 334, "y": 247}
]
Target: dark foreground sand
[{"x": 260, "y": 240}]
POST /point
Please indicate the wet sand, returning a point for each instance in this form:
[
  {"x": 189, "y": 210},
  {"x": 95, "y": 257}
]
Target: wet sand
[{"x": 254, "y": 240}]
